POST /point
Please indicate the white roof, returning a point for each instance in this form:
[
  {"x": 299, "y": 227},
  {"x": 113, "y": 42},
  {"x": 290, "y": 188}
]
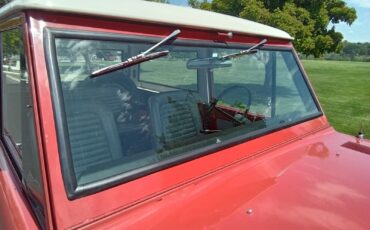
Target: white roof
[{"x": 144, "y": 11}]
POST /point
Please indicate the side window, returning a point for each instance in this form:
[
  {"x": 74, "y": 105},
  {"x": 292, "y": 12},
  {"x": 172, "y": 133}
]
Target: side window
[
  {"x": 17, "y": 112},
  {"x": 292, "y": 94}
]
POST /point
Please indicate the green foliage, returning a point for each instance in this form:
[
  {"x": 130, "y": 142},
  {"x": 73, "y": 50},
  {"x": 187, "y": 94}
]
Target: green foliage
[
  {"x": 307, "y": 21},
  {"x": 350, "y": 52},
  {"x": 3, "y": 2},
  {"x": 12, "y": 42},
  {"x": 255, "y": 11},
  {"x": 203, "y": 5},
  {"x": 356, "y": 49}
]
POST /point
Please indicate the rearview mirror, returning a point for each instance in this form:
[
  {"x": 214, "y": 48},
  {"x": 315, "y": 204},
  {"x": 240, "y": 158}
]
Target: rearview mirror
[{"x": 207, "y": 63}]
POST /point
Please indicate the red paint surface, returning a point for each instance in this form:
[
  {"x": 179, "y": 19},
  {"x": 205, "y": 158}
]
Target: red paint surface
[
  {"x": 291, "y": 178},
  {"x": 45, "y": 201},
  {"x": 311, "y": 183},
  {"x": 14, "y": 211}
]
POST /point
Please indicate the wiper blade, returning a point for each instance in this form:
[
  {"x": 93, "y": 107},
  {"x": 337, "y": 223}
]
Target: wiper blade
[
  {"x": 252, "y": 50},
  {"x": 129, "y": 62},
  {"x": 145, "y": 56}
]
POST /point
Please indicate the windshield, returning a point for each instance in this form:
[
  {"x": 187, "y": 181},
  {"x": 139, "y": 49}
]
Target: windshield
[{"x": 140, "y": 119}]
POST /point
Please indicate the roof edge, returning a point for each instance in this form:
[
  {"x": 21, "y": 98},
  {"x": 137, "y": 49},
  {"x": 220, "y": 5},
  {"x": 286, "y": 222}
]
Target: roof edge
[{"x": 150, "y": 12}]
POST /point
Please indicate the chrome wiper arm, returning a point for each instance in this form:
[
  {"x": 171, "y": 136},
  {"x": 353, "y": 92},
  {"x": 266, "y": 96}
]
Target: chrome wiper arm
[
  {"x": 252, "y": 50},
  {"x": 129, "y": 62},
  {"x": 169, "y": 37},
  {"x": 144, "y": 56}
]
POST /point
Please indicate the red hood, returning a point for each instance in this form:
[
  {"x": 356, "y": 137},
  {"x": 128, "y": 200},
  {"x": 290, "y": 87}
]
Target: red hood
[{"x": 314, "y": 183}]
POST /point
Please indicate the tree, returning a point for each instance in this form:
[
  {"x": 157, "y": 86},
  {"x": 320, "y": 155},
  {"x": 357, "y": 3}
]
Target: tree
[
  {"x": 311, "y": 23},
  {"x": 3, "y": 2},
  {"x": 11, "y": 39},
  {"x": 356, "y": 49}
]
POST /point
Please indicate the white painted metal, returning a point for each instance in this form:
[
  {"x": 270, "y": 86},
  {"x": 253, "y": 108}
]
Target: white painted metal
[{"x": 143, "y": 11}]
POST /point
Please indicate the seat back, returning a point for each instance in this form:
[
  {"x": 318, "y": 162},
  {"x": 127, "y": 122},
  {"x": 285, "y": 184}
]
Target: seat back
[
  {"x": 93, "y": 134},
  {"x": 175, "y": 117}
]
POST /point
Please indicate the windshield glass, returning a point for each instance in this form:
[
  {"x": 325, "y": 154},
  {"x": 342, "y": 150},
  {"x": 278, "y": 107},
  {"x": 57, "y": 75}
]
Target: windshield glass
[{"x": 139, "y": 119}]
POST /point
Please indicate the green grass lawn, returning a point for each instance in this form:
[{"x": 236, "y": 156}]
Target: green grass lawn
[{"x": 343, "y": 89}]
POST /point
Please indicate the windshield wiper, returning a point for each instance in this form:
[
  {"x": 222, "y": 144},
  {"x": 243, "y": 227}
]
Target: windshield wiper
[
  {"x": 252, "y": 50},
  {"x": 129, "y": 62},
  {"x": 143, "y": 57}
]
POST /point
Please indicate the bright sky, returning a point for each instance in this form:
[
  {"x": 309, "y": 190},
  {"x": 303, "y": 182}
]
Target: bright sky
[
  {"x": 179, "y": 2},
  {"x": 359, "y": 31}
]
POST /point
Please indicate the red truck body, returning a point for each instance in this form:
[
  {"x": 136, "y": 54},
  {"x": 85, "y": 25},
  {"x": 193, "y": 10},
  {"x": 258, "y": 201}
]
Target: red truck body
[{"x": 305, "y": 176}]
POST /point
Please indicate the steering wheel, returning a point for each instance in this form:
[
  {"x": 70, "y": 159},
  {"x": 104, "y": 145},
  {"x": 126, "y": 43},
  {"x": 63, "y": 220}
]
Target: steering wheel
[
  {"x": 226, "y": 91},
  {"x": 233, "y": 89}
]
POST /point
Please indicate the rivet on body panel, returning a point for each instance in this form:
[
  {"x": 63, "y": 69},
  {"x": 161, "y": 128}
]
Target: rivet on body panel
[{"x": 249, "y": 211}]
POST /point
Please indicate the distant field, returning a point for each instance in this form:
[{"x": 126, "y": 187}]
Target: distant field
[{"x": 343, "y": 89}]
